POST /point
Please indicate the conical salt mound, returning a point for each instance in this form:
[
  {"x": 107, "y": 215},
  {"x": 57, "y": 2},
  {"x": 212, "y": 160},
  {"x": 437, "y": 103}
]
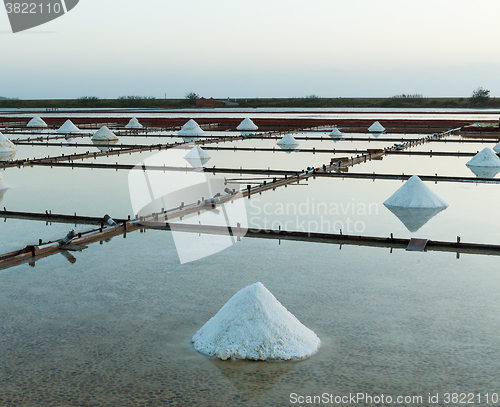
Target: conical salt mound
[
  {"x": 6, "y": 146},
  {"x": 68, "y": 127},
  {"x": 415, "y": 194},
  {"x": 104, "y": 134},
  {"x": 197, "y": 157},
  {"x": 36, "y": 122},
  {"x": 247, "y": 125},
  {"x": 254, "y": 325},
  {"x": 191, "y": 129},
  {"x": 288, "y": 141},
  {"x": 197, "y": 152},
  {"x": 484, "y": 172},
  {"x": 376, "y": 128},
  {"x": 133, "y": 124},
  {"x": 336, "y": 133},
  {"x": 485, "y": 158},
  {"x": 496, "y": 149}
]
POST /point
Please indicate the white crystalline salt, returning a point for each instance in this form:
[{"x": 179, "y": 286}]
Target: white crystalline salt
[
  {"x": 68, "y": 127},
  {"x": 496, "y": 149},
  {"x": 335, "y": 133},
  {"x": 6, "y": 146},
  {"x": 104, "y": 134},
  {"x": 415, "y": 194},
  {"x": 191, "y": 129},
  {"x": 288, "y": 141},
  {"x": 36, "y": 122},
  {"x": 247, "y": 125},
  {"x": 197, "y": 152},
  {"x": 254, "y": 325},
  {"x": 485, "y": 158},
  {"x": 376, "y": 128},
  {"x": 133, "y": 124}
]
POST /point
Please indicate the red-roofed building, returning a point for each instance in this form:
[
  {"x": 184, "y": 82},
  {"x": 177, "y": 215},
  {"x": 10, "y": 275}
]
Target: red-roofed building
[{"x": 205, "y": 102}]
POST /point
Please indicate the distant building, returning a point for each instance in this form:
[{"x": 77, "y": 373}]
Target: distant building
[{"x": 205, "y": 102}]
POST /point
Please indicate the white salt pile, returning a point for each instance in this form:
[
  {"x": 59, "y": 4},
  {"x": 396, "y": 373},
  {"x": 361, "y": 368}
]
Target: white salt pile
[
  {"x": 36, "y": 122},
  {"x": 415, "y": 194},
  {"x": 485, "y": 158},
  {"x": 247, "y": 125},
  {"x": 254, "y": 325},
  {"x": 336, "y": 133},
  {"x": 197, "y": 157},
  {"x": 6, "y": 146},
  {"x": 288, "y": 142},
  {"x": 68, "y": 127},
  {"x": 190, "y": 130},
  {"x": 133, "y": 124},
  {"x": 104, "y": 134},
  {"x": 496, "y": 149},
  {"x": 376, "y": 128}
]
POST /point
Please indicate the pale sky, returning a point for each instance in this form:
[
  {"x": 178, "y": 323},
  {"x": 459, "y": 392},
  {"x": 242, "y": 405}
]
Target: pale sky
[{"x": 257, "y": 48}]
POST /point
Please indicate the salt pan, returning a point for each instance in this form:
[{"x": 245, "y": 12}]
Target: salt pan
[{"x": 254, "y": 325}]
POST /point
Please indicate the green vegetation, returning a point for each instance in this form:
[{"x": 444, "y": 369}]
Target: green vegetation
[
  {"x": 480, "y": 97},
  {"x": 312, "y": 101}
]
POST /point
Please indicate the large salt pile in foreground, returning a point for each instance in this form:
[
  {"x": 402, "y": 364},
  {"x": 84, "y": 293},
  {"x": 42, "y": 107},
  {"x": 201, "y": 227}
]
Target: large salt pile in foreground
[
  {"x": 254, "y": 325},
  {"x": 415, "y": 194},
  {"x": 6, "y": 146},
  {"x": 485, "y": 158},
  {"x": 247, "y": 125},
  {"x": 288, "y": 142},
  {"x": 36, "y": 122},
  {"x": 376, "y": 128},
  {"x": 68, "y": 127},
  {"x": 104, "y": 134},
  {"x": 133, "y": 124}
]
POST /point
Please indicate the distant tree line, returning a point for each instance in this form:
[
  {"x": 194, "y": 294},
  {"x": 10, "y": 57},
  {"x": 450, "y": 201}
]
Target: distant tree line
[{"x": 409, "y": 96}]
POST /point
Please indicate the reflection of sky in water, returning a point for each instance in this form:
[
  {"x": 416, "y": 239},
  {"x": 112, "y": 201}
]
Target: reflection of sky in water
[
  {"x": 356, "y": 207},
  {"x": 112, "y": 319}
]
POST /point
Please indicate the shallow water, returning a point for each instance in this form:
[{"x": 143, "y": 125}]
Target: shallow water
[
  {"x": 111, "y": 325},
  {"x": 102, "y": 332}
]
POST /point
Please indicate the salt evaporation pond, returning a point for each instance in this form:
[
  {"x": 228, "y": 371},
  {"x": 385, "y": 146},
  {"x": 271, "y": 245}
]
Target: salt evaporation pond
[
  {"x": 112, "y": 325},
  {"x": 88, "y": 332}
]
